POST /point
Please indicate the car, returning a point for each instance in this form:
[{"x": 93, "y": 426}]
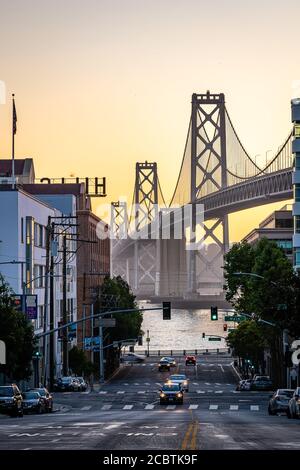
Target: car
[
  {"x": 279, "y": 401},
  {"x": 181, "y": 380},
  {"x": 33, "y": 402},
  {"x": 244, "y": 384},
  {"x": 67, "y": 384},
  {"x": 82, "y": 384},
  {"x": 261, "y": 382},
  {"x": 46, "y": 396},
  {"x": 293, "y": 410},
  {"x": 164, "y": 365},
  {"x": 11, "y": 400},
  {"x": 190, "y": 360},
  {"x": 171, "y": 392},
  {"x": 171, "y": 360},
  {"x": 131, "y": 357}
]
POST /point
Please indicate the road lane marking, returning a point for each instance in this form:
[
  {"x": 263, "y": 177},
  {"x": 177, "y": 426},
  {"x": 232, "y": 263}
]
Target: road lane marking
[
  {"x": 200, "y": 391},
  {"x": 85, "y": 408},
  {"x": 207, "y": 383},
  {"x": 149, "y": 407},
  {"x": 128, "y": 407},
  {"x": 195, "y": 383},
  {"x": 194, "y": 436},
  {"x": 213, "y": 407},
  {"x": 186, "y": 437},
  {"x": 221, "y": 368},
  {"x": 171, "y": 407},
  {"x": 193, "y": 407},
  {"x": 216, "y": 383},
  {"x": 120, "y": 392},
  {"x": 219, "y": 391},
  {"x": 106, "y": 407},
  {"x": 141, "y": 391},
  {"x": 147, "y": 383},
  {"x": 254, "y": 407},
  {"x": 102, "y": 392},
  {"x": 136, "y": 384},
  {"x": 234, "y": 407}
]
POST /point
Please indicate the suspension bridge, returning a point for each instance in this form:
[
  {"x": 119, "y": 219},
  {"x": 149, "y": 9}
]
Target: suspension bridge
[{"x": 216, "y": 172}]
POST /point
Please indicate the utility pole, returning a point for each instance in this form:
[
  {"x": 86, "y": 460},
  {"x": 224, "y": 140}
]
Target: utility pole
[
  {"x": 101, "y": 356},
  {"x": 46, "y": 300},
  {"x": 51, "y": 314},
  {"x": 64, "y": 308}
]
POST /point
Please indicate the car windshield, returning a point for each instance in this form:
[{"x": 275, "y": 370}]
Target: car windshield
[
  {"x": 164, "y": 361},
  {"x": 178, "y": 377},
  {"x": 31, "y": 395},
  {"x": 66, "y": 380},
  {"x": 171, "y": 388},
  {"x": 6, "y": 391},
  {"x": 262, "y": 378},
  {"x": 285, "y": 393},
  {"x": 80, "y": 379},
  {"x": 42, "y": 392}
]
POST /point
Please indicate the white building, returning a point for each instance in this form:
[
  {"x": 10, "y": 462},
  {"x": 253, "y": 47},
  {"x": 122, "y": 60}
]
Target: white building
[{"x": 23, "y": 221}]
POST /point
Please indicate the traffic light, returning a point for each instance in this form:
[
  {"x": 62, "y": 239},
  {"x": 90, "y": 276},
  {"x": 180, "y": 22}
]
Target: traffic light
[
  {"x": 214, "y": 313},
  {"x": 203, "y": 335},
  {"x": 140, "y": 340},
  {"x": 225, "y": 327},
  {"x": 166, "y": 310},
  {"x": 37, "y": 355}
]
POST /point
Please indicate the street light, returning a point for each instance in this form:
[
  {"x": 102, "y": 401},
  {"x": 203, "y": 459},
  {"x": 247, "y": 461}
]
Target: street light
[{"x": 267, "y": 155}]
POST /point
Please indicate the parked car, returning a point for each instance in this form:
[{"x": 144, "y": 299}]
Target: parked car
[
  {"x": 181, "y": 380},
  {"x": 33, "y": 402},
  {"x": 261, "y": 382},
  {"x": 46, "y": 396},
  {"x": 82, "y": 384},
  {"x": 190, "y": 360},
  {"x": 279, "y": 401},
  {"x": 11, "y": 400},
  {"x": 164, "y": 365},
  {"x": 67, "y": 384},
  {"x": 131, "y": 357},
  {"x": 293, "y": 410},
  {"x": 244, "y": 385},
  {"x": 171, "y": 392}
]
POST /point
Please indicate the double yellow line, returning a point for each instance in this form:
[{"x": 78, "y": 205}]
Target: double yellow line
[{"x": 190, "y": 437}]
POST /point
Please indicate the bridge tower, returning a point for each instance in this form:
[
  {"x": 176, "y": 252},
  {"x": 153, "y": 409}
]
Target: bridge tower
[
  {"x": 119, "y": 231},
  {"x": 208, "y": 174},
  {"x": 146, "y": 255}
]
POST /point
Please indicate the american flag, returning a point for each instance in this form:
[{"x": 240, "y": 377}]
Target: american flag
[{"x": 14, "y": 118}]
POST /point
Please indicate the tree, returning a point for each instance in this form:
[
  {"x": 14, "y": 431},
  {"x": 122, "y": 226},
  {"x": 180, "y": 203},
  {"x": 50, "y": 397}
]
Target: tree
[
  {"x": 79, "y": 364},
  {"x": 18, "y": 334},
  {"x": 274, "y": 296}
]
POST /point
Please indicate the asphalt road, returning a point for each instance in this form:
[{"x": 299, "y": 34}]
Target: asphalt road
[{"x": 125, "y": 414}]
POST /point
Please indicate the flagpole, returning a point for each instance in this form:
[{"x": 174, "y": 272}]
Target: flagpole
[{"x": 13, "y": 145}]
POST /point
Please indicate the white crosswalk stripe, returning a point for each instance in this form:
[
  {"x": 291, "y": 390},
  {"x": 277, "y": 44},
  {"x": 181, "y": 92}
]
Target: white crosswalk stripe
[
  {"x": 213, "y": 407},
  {"x": 217, "y": 383},
  {"x": 136, "y": 384},
  {"x": 254, "y": 407},
  {"x": 171, "y": 407},
  {"x": 193, "y": 407},
  {"x": 195, "y": 383},
  {"x": 102, "y": 392},
  {"x": 219, "y": 391},
  {"x": 141, "y": 391},
  {"x": 120, "y": 392},
  {"x": 147, "y": 383},
  {"x": 85, "y": 408},
  {"x": 149, "y": 407},
  {"x": 200, "y": 391},
  {"x": 207, "y": 383},
  {"x": 128, "y": 407},
  {"x": 106, "y": 407},
  {"x": 234, "y": 407}
]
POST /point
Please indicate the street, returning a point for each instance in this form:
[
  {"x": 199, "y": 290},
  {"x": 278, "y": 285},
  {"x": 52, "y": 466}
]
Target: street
[{"x": 125, "y": 414}]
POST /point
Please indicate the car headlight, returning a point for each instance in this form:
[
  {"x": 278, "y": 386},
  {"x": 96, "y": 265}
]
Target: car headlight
[
  {"x": 185, "y": 382},
  {"x": 162, "y": 395},
  {"x": 179, "y": 394}
]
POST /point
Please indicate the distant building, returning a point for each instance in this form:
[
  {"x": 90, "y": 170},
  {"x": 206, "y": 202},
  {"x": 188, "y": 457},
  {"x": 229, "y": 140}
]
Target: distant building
[
  {"x": 278, "y": 227},
  {"x": 24, "y": 171}
]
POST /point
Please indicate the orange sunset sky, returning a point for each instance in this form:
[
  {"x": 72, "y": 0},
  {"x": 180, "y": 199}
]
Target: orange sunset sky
[{"x": 101, "y": 84}]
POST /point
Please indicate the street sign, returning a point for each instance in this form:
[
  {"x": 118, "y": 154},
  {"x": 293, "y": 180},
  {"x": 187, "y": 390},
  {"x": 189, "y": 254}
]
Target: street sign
[
  {"x": 234, "y": 318},
  {"x": 211, "y": 338},
  {"x": 31, "y": 306},
  {"x": 148, "y": 340}
]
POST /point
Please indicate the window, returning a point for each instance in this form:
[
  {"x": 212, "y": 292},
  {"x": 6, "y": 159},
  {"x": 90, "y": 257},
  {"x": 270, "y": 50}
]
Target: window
[
  {"x": 297, "y": 223},
  {"x": 297, "y": 256},
  {"x": 297, "y": 192},
  {"x": 38, "y": 235},
  {"x": 41, "y": 310},
  {"x": 297, "y": 130},
  {"x": 39, "y": 277},
  {"x": 297, "y": 162},
  {"x": 22, "y": 229}
]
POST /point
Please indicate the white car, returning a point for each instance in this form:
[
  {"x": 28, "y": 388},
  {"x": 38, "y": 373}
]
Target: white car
[
  {"x": 181, "y": 380},
  {"x": 131, "y": 357},
  {"x": 294, "y": 405}
]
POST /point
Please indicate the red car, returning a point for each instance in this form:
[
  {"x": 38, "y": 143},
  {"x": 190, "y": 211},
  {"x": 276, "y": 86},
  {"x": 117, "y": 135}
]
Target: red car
[{"x": 190, "y": 360}]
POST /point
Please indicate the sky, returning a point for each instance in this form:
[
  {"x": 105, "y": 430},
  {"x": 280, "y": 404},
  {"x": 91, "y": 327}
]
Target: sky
[{"x": 101, "y": 84}]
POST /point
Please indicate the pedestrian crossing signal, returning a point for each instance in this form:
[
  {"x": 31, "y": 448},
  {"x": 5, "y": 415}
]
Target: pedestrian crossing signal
[
  {"x": 166, "y": 310},
  {"x": 214, "y": 313}
]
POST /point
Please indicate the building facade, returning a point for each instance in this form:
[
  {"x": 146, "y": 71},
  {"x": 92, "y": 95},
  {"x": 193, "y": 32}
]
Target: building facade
[{"x": 296, "y": 180}]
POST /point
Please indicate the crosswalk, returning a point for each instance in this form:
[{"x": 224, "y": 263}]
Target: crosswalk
[
  {"x": 150, "y": 390},
  {"x": 193, "y": 406}
]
